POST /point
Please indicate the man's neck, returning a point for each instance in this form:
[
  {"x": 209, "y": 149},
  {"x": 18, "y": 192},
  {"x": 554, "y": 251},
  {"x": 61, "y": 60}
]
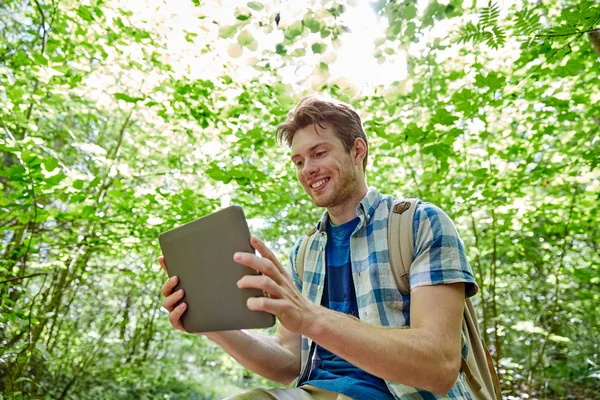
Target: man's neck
[{"x": 346, "y": 212}]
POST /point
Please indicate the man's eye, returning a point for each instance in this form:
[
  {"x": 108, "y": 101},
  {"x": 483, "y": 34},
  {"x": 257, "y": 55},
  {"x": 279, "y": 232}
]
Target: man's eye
[
  {"x": 298, "y": 163},
  {"x": 321, "y": 153}
]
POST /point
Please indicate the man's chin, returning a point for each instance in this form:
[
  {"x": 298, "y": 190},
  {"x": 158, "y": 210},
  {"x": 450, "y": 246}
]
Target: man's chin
[{"x": 318, "y": 201}]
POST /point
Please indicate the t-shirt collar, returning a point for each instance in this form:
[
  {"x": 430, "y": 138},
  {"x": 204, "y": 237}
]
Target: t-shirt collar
[{"x": 365, "y": 209}]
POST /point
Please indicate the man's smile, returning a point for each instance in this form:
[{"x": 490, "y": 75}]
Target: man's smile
[{"x": 319, "y": 183}]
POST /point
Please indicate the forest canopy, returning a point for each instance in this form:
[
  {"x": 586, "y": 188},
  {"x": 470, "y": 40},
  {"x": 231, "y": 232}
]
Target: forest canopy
[{"x": 120, "y": 120}]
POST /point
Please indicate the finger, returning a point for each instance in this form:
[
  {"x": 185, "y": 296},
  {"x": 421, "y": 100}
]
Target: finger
[
  {"x": 171, "y": 301},
  {"x": 175, "y": 316},
  {"x": 265, "y": 251},
  {"x": 161, "y": 261},
  {"x": 169, "y": 285},
  {"x": 272, "y": 306},
  {"x": 261, "y": 282},
  {"x": 262, "y": 265}
]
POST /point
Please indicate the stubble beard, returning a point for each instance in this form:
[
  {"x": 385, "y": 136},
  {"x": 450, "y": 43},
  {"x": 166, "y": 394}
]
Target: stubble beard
[{"x": 342, "y": 192}]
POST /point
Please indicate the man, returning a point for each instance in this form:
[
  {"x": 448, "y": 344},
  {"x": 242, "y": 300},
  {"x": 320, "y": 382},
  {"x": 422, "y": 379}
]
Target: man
[{"x": 371, "y": 342}]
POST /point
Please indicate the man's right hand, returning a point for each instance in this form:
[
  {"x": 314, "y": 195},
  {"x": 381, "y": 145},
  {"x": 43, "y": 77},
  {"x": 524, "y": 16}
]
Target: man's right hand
[{"x": 171, "y": 299}]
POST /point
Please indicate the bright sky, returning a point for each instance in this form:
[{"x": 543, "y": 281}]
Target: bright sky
[{"x": 351, "y": 64}]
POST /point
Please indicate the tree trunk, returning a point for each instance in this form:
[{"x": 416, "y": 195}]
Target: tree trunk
[
  {"x": 481, "y": 280},
  {"x": 494, "y": 299}
]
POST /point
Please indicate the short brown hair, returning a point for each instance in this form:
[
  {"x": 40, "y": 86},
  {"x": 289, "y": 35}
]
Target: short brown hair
[{"x": 315, "y": 110}]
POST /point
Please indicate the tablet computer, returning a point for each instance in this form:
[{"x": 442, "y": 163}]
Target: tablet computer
[{"x": 200, "y": 253}]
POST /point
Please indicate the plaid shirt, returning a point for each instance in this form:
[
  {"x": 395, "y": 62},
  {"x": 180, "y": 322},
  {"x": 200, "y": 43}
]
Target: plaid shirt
[{"x": 439, "y": 258}]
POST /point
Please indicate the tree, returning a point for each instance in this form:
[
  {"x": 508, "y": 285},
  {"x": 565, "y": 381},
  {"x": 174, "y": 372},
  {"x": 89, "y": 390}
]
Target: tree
[{"x": 122, "y": 121}]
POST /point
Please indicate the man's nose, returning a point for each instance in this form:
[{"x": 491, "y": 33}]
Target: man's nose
[{"x": 310, "y": 168}]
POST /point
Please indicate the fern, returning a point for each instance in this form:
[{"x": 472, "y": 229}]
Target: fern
[
  {"x": 498, "y": 38},
  {"x": 470, "y": 32},
  {"x": 590, "y": 17},
  {"x": 560, "y": 30},
  {"x": 576, "y": 20},
  {"x": 527, "y": 22},
  {"x": 489, "y": 15},
  {"x": 486, "y": 31}
]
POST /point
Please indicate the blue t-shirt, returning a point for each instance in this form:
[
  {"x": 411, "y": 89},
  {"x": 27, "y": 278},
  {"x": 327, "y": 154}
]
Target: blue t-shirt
[{"x": 333, "y": 373}]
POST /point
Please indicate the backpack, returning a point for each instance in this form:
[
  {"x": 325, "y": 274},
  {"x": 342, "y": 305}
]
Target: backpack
[{"x": 478, "y": 367}]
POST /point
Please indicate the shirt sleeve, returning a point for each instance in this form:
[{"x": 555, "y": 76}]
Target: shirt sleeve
[
  {"x": 439, "y": 255},
  {"x": 291, "y": 264}
]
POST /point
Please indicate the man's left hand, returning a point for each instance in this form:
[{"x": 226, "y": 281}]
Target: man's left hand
[{"x": 285, "y": 301}]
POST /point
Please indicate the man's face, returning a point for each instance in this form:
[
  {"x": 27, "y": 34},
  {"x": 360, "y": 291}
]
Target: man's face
[{"x": 327, "y": 173}]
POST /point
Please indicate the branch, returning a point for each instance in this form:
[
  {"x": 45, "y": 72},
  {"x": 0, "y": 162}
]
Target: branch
[
  {"x": 35, "y": 215},
  {"x": 567, "y": 34},
  {"x": 44, "y": 30},
  {"x": 557, "y": 270},
  {"x": 18, "y": 278}
]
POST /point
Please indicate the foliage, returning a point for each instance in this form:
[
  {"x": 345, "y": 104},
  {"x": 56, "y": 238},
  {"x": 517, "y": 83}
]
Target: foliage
[{"x": 119, "y": 123}]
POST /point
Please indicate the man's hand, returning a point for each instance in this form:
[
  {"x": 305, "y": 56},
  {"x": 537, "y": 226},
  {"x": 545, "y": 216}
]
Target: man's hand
[
  {"x": 275, "y": 357},
  {"x": 171, "y": 300},
  {"x": 285, "y": 301}
]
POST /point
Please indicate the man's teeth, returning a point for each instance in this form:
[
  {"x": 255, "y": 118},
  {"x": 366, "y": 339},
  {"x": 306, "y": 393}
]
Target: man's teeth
[{"x": 317, "y": 184}]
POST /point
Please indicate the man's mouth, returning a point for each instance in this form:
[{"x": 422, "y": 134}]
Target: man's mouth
[{"x": 320, "y": 183}]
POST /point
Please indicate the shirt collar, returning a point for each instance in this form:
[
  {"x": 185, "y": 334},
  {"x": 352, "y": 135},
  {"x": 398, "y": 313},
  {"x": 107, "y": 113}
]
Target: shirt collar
[{"x": 365, "y": 209}]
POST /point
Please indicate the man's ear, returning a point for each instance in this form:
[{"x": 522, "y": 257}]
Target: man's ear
[{"x": 360, "y": 150}]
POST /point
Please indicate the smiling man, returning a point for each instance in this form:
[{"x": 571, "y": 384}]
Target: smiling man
[{"x": 353, "y": 335}]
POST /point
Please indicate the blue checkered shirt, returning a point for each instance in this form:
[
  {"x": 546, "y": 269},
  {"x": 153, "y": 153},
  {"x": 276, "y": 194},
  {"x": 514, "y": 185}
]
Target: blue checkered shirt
[{"x": 439, "y": 258}]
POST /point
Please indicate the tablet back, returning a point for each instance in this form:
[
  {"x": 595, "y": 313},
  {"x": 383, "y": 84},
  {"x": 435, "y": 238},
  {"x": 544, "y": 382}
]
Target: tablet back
[{"x": 200, "y": 253}]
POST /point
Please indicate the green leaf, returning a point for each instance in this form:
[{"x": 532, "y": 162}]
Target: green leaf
[
  {"x": 41, "y": 347},
  {"x": 443, "y": 117},
  {"x": 78, "y": 184},
  {"x": 439, "y": 150},
  {"x": 394, "y": 30},
  {"x": 464, "y": 100},
  {"x": 255, "y": 5},
  {"x": 55, "y": 179},
  {"x": 94, "y": 182},
  {"x": 85, "y": 13},
  {"x": 311, "y": 23},
  {"x": 218, "y": 174},
  {"x": 127, "y": 98},
  {"x": 489, "y": 15},
  {"x": 88, "y": 211},
  {"x": 115, "y": 193},
  {"x": 40, "y": 59},
  {"x": 253, "y": 46},
  {"x": 492, "y": 81},
  {"x": 245, "y": 38},
  {"x": 241, "y": 15},
  {"x": 411, "y": 27},
  {"x": 318, "y": 48},
  {"x": 294, "y": 30},
  {"x": 469, "y": 32},
  {"x": 50, "y": 164},
  {"x": 227, "y": 31},
  {"x": 280, "y": 49},
  {"x": 301, "y": 52},
  {"x": 409, "y": 12},
  {"x": 527, "y": 22}
]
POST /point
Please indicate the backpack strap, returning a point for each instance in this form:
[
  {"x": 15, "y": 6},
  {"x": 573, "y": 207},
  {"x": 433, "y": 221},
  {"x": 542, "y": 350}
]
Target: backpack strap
[
  {"x": 300, "y": 258},
  {"x": 478, "y": 366},
  {"x": 400, "y": 239}
]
